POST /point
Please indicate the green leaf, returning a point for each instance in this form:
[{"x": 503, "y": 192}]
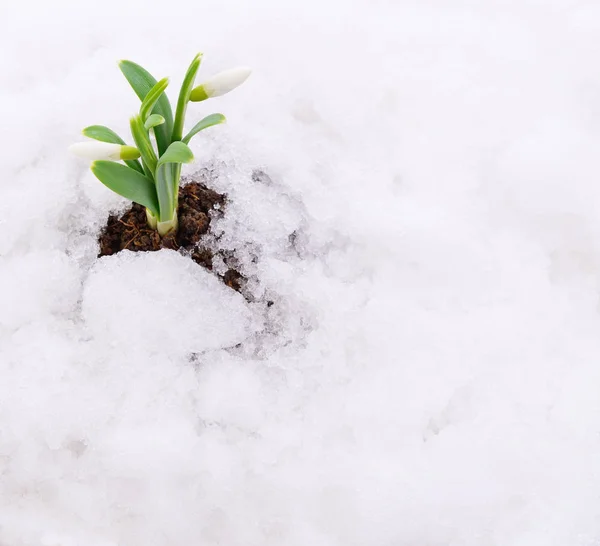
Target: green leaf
[
  {"x": 208, "y": 121},
  {"x": 153, "y": 121},
  {"x": 104, "y": 134},
  {"x": 128, "y": 183},
  {"x": 142, "y": 141},
  {"x": 152, "y": 97},
  {"x": 142, "y": 82},
  {"x": 184, "y": 97},
  {"x": 178, "y": 152},
  {"x": 167, "y": 178}
]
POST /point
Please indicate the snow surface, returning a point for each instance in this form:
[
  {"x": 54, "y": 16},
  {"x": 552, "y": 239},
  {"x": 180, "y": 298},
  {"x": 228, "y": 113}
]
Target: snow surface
[{"x": 424, "y": 216}]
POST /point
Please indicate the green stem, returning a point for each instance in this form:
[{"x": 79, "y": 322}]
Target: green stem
[
  {"x": 176, "y": 178},
  {"x": 184, "y": 97},
  {"x": 166, "y": 227},
  {"x": 151, "y": 219}
]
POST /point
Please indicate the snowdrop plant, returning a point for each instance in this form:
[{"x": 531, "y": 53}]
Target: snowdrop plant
[{"x": 150, "y": 172}]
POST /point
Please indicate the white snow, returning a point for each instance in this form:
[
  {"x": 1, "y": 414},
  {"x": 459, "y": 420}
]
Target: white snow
[
  {"x": 414, "y": 184},
  {"x": 165, "y": 304}
]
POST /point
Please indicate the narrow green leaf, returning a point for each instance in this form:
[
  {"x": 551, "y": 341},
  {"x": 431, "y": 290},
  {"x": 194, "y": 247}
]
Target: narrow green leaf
[
  {"x": 128, "y": 183},
  {"x": 142, "y": 82},
  {"x": 152, "y": 97},
  {"x": 184, "y": 97},
  {"x": 104, "y": 134},
  {"x": 142, "y": 141},
  {"x": 208, "y": 121},
  {"x": 153, "y": 121},
  {"x": 167, "y": 178}
]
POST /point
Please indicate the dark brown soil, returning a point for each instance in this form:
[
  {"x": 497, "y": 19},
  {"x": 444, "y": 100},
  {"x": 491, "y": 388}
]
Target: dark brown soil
[{"x": 130, "y": 231}]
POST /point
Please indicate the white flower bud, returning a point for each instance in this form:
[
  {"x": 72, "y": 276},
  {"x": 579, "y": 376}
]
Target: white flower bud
[
  {"x": 94, "y": 150},
  {"x": 220, "y": 83}
]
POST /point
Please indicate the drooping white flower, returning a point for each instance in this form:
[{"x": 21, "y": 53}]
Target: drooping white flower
[
  {"x": 220, "y": 83},
  {"x": 94, "y": 150}
]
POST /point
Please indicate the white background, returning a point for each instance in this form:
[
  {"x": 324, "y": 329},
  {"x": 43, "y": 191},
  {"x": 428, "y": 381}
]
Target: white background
[{"x": 429, "y": 372}]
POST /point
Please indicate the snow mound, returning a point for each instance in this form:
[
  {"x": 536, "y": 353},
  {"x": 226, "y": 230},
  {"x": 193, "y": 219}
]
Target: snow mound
[{"x": 162, "y": 302}]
